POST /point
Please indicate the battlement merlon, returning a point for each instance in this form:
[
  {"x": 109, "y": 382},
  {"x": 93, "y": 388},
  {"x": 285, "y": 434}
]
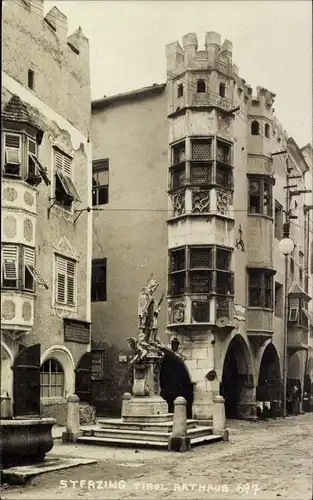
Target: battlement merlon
[
  {"x": 188, "y": 56},
  {"x": 57, "y": 21}
]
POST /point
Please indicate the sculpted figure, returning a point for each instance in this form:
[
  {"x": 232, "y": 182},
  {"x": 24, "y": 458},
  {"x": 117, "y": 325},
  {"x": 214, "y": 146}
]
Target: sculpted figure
[{"x": 148, "y": 312}]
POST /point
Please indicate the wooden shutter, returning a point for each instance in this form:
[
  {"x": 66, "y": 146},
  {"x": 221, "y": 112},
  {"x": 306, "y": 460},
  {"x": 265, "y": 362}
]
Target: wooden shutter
[
  {"x": 61, "y": 279},
  {"x": 32, "y": 146},
  {"x": 12, "y": 149},
  {"x": 58, "y": 157},
  {"x": 29, "y": 264},
  {"x": 70, "y": 282},
  {"x": 10, "y": 262}
]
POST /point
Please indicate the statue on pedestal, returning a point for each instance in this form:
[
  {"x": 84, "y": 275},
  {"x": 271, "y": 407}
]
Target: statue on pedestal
[
  {"x": 148, "y": 313},
  {"x": 147, "y": 347}
]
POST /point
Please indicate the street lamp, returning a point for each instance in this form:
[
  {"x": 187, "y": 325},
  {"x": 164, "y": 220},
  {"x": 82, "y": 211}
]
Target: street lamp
[{"x": 286, "y": 246}]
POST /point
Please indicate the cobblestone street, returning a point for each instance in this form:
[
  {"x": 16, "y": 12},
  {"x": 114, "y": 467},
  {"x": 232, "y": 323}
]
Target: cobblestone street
[{"x": 266, "y": 460}]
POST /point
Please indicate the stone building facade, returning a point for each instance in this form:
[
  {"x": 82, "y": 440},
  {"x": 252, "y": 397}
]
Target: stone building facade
[
  {"x": 196, "y": 196},
  {"x": 46, "y": 238}
]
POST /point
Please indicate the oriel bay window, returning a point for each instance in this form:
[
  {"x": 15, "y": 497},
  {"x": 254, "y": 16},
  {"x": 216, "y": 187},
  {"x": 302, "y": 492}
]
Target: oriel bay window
[
  {"x": 260, "y": 196},
  {"x": 178, "y": 165},
  {"x": 260, "y": 288},
  {"x": 201, "y": 166},
  {"x": 21, "y": 159},
  {"x": 203, "y": 270},
  {"x": 18, "y": 271},
  {"x": 209, "y": 163}
]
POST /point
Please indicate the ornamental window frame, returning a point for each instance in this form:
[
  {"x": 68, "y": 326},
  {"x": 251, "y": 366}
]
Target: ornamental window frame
[
  {"x": 18, "y": 265},
  {"x": 22, "y": 161}
]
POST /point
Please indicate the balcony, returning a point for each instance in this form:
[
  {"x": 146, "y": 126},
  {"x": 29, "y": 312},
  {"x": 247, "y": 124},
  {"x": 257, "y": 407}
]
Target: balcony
[
  {"x": 298, "y": 339},
  {"x": 259, "y": 325},
  {"x": 17, "y": 310}
]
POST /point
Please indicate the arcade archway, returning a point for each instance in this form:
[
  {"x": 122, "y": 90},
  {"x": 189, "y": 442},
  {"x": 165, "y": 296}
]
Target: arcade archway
[
  {"x": 269, "y": 382},
  {"x": 237, "y": 379},
  {"x": 175, "y": 381}
]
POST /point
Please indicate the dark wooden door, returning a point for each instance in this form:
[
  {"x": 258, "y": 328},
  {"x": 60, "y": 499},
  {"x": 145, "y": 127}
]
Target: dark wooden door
[
  {"x": 83, "y": 378},
  {"x": 26, "y": 382}
]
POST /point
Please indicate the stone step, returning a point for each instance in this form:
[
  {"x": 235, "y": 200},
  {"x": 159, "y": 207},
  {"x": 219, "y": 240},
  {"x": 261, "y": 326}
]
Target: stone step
[
  {"x": 144, "y": 435},
  {"x": 123, "y": 442},
  {"x": 120, "y": 442},
  {"x": 162, "y": 417},
  {"x": 148, "y": 426}
]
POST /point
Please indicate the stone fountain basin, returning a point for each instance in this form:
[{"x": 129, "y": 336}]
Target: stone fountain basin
[{"x": 25, "y": 441}]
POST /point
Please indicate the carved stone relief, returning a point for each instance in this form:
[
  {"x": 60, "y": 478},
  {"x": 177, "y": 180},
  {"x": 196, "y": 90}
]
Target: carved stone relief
[
  {"x": 26, "y": 311},
  {"x": 10, "y": 194},
  {"x": 222, "y": 202},
  {"x": 201, "y": 201},
  {"x": 178, "y": 313},
  {"x": 28, "y": 198},
  {"x": 8, "y": 309},
  {"x": 9, "y": 226},
  {"x": 178, "y": 201},
  {"x": 28, "y": 230}
]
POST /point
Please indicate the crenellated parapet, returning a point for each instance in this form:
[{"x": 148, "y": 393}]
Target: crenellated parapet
[
  {"x": 57, "y": 60},
  {"x": 216, "y": 56}
]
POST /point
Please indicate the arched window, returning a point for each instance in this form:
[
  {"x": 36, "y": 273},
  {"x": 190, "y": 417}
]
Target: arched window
[
  {"x": 180, "y": 90},
  {"x": 267, "y": 130},
  {"x": 222, "y": 89},
  {"x": 255, "y": 128},
  {"x": 51, "y": 379},
  {"x": 200, "y": 86}
]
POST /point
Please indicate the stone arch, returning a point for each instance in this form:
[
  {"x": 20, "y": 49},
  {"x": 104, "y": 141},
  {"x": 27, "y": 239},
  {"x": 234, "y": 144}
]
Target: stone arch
[
  {"x": 7, "y": 360},
  {"x": 255, "y": 128},
  {"x": 175, "y": 380},
  {"x": 269, "y": 378},
  {"x": 65, "y": 358},
  {"x": 237, "y": 384}
]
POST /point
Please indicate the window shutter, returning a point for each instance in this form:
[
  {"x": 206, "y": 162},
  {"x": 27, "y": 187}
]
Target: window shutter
[
  {"x": 70, "y": 282},
  {"x": 67, "y": 166},
  {"x": 13, "y": 149},
  {"x": 29, "y": 257},
  {"x": 32, "y": 146},
  {"x": 58, "y": 160},
  {"x": 61, "y": 274},
  {"x": 10, "y": 260}
]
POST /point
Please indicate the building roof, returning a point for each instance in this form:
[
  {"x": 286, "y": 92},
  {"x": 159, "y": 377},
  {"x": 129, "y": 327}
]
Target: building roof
[
  {"x": 292, "y": 143},
  {"x": 128, "y": 96},
  {"x": 16, "y": 111}
]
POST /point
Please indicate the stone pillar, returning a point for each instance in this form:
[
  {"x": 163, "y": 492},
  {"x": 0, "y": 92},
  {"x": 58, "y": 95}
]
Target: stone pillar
[
  {"x": 178, "y": 441},
  {"x": 6, "y": 411},
  {"x": 126, "y": 397},
  {"x": 219, "y": 419},
  {"x": 73, "y": 420}
]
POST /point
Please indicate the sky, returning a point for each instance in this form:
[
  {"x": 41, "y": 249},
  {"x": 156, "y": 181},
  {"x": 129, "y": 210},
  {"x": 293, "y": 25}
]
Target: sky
[{"x": 272, "y": 45}]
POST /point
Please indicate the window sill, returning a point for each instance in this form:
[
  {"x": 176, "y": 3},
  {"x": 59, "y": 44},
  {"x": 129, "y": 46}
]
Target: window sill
[
  {"x": 201, "y": 215},
  {"x": 19, "y": 291},
  {"x": 261, "y": 215}
]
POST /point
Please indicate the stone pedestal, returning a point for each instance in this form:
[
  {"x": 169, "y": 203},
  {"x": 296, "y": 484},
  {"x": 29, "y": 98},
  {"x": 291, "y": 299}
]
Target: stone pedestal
[
  {"x": 146, "y": 400},
  {"x": 73, "y": 420}
]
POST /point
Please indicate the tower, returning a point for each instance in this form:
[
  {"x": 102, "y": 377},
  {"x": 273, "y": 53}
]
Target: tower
[{"x": 200, "y": 185}]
